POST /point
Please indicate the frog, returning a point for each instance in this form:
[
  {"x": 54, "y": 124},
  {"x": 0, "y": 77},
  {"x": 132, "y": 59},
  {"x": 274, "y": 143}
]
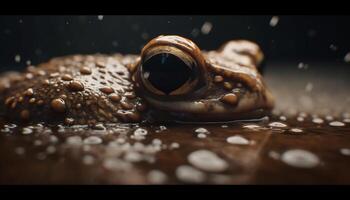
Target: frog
[{"x": 172, "y": 79}]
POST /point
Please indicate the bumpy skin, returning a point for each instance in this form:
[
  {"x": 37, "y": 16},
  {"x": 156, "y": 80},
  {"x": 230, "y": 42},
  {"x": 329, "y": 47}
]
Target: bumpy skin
[{"x": 86, "y": 89}]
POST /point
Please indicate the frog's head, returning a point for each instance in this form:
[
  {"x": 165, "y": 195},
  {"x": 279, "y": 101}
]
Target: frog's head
[{"x": 178, "y": 80}]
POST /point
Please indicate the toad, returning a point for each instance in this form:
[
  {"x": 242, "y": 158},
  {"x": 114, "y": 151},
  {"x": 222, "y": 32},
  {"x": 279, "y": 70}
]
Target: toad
[{"x": 171, "y": 80}]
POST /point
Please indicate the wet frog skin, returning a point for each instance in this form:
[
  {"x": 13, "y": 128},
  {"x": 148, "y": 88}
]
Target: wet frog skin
[{"x": 172, "y": 79}]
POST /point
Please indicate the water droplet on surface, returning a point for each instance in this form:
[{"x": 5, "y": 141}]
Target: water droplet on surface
[
  {"x": 88, "y": 160},
  {"x": 27, "y": 131},
  {"x": 309, "y": 87},
  {"x": 207, "y": 161},
  {"x": 296, "y": 130},
  {"x": 100, "y": 17},
  {"x": 300, "y": 158},
  {"x": 19, "y": 150},
  {"x": 116, "y": 164},
  {"x": 202, "y": 130},
  {"x": 17, "y": 58},
  {"x": 189, "y": 174},
  {"x": 345, "y": 151},
  {"x": 336, "y": 124},
  {"x": 274, "y": 155},
  {"x": 317, "y": 120},
  {"x": 201, "y": 135},
  {"x": 92, "y": 140},
  {"x": 277, "y": 125},
  {"x": 156, "y": 177},
  {"x": 74, "y": 140},
  {"x": 347, "y": 58},
  {"x": 237, "y": 140}
]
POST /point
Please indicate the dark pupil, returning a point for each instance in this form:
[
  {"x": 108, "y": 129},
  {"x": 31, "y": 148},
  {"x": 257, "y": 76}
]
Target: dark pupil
[{"x": 166, "y": 72}]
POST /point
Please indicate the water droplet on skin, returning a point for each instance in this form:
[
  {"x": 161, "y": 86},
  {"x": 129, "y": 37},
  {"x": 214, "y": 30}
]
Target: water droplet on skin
[
  {"x": 252, "y": 126},
  {"x": 274, "y": 21},
  {"x": 206, "y": 28},
  {"x": 300, "y": 158},
  {"x": 156, "y": 177},
  {"x": 336, "y": 124},
  {"x": 189, "y": 174},
  {"x": 237, "y": 140},
  {"x": 207, "y": 161},
  {"x": 92, "y": 140},
  {"x": 345, "y": 151},
  {"x": 277, "y": 125}
]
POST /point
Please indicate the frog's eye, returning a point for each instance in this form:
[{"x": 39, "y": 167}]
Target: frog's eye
[{"x": 167, "y": 69}]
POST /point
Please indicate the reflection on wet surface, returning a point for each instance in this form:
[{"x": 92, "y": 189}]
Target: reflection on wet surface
[{"x": 306, "y": 140}]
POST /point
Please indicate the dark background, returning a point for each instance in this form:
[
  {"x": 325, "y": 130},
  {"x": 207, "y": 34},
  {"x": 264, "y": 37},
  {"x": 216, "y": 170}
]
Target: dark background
[{"x": 295, "y": 38}]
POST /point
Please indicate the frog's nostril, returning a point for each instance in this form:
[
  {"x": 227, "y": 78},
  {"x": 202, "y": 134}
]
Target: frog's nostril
[{"x": 167, "y": 72}]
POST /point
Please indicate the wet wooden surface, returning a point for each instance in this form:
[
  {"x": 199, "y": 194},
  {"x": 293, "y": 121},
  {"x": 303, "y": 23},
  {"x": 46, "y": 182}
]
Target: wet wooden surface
[{"x": 49, "y": 155}]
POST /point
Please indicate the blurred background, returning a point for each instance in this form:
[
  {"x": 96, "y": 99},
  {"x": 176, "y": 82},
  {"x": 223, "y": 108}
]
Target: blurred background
[
  {"x": 307, "y": 56},
  {"x": 33, "y": 39}
]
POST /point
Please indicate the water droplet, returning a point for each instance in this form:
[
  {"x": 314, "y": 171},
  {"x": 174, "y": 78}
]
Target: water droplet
[
  {"x": 309, "y": 87},
  {"x": 51, "y": 149},
  {"x": 100, "y": 17},
  {"x": 157, "y": 177},
  {"x": 277, "y": 125},
  {"x": 189, "y": 174},
  {"x": 19, "y": 150},
  {"x": 347, "y": 58},
  {"x": 206, "y": 28},
  {"x": 274, "y": 155},
  {"x": 296, "y": 130},
  {"x": 336, "y": 123},
  {"x": 300, "y": 158},
  {"x": 333, "y": 47},
  {"x": 345, "y": 151},
  {"x": 27, "y": 131},
  {"x": 74, "y": 140},
  {"x": 88, "y": 160},
  {"x": 201, "y": 135},
  {"x": 17, "y": 58},
  {"x": 237, "y": 140},
  {"x": 317, "y": 120},
  {"x": 274, "y": 21},
  {"x": 202, "y": 130},
  {"x": 207, "y": 161},
  {"x": 92, "y": 140}
]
